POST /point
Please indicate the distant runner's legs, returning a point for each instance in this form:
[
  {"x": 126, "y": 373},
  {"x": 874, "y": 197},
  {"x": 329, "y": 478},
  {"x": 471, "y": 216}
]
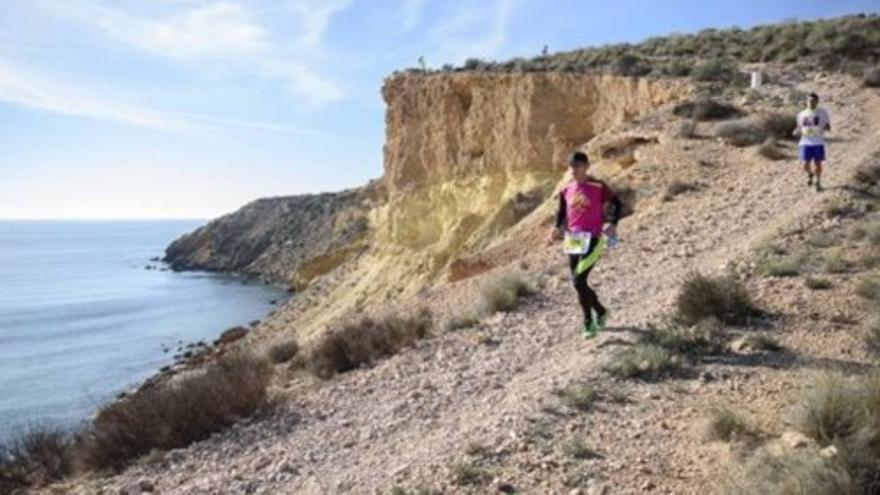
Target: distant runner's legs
[{"x": 818, "y": 172}]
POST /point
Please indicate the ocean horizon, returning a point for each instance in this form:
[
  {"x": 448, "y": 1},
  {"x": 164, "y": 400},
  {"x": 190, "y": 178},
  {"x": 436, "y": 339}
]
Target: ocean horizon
[{"x": 87, "y": 311}]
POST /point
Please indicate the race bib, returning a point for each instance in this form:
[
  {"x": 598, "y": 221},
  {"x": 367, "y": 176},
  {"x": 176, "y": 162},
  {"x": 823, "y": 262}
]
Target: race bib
[{"x": 576, "y": 242}]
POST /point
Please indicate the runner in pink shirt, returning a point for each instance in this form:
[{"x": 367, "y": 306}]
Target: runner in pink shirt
[{"x": 579, "y": 221}]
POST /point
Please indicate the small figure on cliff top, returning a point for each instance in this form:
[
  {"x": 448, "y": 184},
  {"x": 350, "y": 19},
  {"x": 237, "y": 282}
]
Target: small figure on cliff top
[
  {"x": 811, "y": 125},
  {"x": 579, "y": 224}
]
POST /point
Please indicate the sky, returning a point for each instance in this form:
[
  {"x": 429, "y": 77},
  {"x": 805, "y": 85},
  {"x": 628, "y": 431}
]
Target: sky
[{"x": 191, "y": 108}]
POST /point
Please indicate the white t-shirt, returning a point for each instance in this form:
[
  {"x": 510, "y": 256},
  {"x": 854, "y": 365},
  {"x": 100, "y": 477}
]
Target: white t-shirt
[{"x": 812, "y": 126}]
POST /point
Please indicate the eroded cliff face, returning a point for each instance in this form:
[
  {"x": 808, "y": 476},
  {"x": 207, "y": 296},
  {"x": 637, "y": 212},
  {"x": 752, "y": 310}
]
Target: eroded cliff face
[{"x": 467, "y": 157}]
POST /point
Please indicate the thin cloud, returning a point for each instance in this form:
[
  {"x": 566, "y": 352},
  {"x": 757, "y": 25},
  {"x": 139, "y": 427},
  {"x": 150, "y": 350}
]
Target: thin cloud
[
  {"x": 412, "y": 13},
  {"x": 30, "y": 88},
  {"x": 314, "y": 16},
  {"x": 220, "y": 34},
  {"x": 473, "y": 31}
]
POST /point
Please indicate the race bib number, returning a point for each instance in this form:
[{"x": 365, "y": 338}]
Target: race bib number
[{"x": 576, "y": 242}]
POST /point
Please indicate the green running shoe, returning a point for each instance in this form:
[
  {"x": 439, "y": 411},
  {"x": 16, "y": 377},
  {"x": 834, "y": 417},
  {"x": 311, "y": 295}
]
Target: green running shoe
[
  {"x": 591, "y": 329},
  {"x": 603, "y": 320}
]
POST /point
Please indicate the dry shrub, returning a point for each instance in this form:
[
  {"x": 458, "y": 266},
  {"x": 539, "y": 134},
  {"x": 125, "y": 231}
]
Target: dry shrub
[
  {"x": 872, "y": 338},
  {"x": 37, "y": 456},
  {"x": 725, "y": 424},
  {"x": 724, "y": 298},
  {"x": 798, "y": 472},
  {"x": 685, "y": 129},
  {"x": 770, "y": 149},
  {"x": 815, "y": 283},
  {"x": 869, "y": 288},
  {"x": 644, "y": 361},
  {"x": 872, "y": 78},
  {"x": 461, "y": 319},
  {"x": 834, "y": 411},
  {"x": 779, "y": 126},
  {"x": 706, "y": 109},
  {"x": 175, "y": 414},
  {"x": 283, "y": 351},
  {"x": 828, "y": 410},
  {"x": 677, "y": 187},
  {"x": 741, "y": 132},
  {"x": 707, "y": 337},
  {"x": 503, "y": 293},
  {"x": 578, "y": 396},
  {"x": 366, "y": 340},
  {"x": 868, "y": 174}
]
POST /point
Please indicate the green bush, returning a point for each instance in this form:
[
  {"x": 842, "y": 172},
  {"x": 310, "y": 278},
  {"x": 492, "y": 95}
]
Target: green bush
[
  {"x": 707, "y": 337},
  {"x": 722, "y": 70},
  {"x": 869, "y": 288}
]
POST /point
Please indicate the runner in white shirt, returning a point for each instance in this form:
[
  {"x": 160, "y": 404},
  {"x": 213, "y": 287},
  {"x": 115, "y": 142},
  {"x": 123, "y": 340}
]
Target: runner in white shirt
[{"x": 812, "y": 124}]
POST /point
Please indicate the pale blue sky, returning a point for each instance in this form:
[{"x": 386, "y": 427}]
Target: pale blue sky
[{"x": 190, "y": 108}]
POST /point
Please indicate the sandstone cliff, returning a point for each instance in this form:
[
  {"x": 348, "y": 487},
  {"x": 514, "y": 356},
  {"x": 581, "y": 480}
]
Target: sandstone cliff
[{"x": 467, "y": 156}]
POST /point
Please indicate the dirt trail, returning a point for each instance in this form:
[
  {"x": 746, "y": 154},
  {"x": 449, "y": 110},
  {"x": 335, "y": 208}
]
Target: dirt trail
[{"x": 407, "y": 420}]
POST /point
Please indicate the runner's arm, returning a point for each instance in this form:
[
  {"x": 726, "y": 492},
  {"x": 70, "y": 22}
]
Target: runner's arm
[
  {"x": 561, "y": 216},
  {"x": 615, "y": 206}
]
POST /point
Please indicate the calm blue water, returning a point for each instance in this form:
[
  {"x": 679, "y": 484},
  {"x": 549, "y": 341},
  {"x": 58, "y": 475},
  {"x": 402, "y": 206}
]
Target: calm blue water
[{"x": 82, "y": 319}]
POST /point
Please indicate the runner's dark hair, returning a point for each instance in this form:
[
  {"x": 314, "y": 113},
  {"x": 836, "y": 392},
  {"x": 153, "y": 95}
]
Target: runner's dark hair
[{"x": 578, "y": 158}]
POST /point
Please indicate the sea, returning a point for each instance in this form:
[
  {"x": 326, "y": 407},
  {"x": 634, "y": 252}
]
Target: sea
[{"x": 87, "y": 312}]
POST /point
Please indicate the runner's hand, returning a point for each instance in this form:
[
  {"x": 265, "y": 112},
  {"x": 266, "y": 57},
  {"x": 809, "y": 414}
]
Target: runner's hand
[
  {"x": 611, "y": 230},
  {"x": 555, "y": 236}
]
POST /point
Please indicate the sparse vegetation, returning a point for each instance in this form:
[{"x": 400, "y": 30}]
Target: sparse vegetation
[
  {"x": 872, "y": 337},
  {"x": 847, "y": 43},
  {"x": 577, "y": 448},
  {"x": 741, "y": 132},
  {"x": 706, "y": 337},
  {"x": 823, "y": 240},
  {"x": 283, "y": 351},
  {"x": 725, "y": 424},
  {"x": 461, "y": 319},
  {"x": 815, "y": 283},
  {"x": 366, "y": 340},
  {"x": 828, "y": 410},
  {"x": 578, "y": 396},
  {"x": 705, "y": 109},
  {"x": 645, "y": 361},
  {"x": 464, "y": 474},
  {"x": 798, "y": 472},
  {"x": 770, "y": 149},
  {"x": 835, "y": 262},
  {"x": 724, "y": 298},
  {"x": 677, "y": 187},
  {"x": 785, "y": 266},
  {"x": 869, "y": 288},
  {"x": 779, "y": 126},
  {"x": 503, "y": 293},
  {"x": 868, "y": 174},
  {"x": 174, "y": 415},
  {"x": 37, "y": 456},
  {"x": 872, "y": 78},
  {"x": 762, "y": 342},
  {"x": 835, "y": 412}
]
